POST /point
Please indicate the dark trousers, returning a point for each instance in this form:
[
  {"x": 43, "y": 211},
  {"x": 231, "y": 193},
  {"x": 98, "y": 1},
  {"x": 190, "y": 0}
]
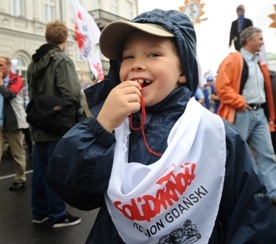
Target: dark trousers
[{"x": 45, "y": 202}]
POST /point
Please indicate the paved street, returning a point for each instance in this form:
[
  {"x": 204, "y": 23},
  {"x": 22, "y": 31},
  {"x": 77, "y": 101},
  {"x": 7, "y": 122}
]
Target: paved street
[{"x": 16, "y": 225}]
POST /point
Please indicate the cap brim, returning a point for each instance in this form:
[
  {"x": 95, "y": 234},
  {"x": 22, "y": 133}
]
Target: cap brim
[{"x": 113, "y": 36}]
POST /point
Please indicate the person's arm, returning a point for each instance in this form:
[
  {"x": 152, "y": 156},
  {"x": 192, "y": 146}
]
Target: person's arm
[
  {"x": 14, "y": 87},
  {"x": 227, "y": 83},
  {"x": 81, "y": 164},
  {"x": 249, "y": 23},
  {"x": 269, "y": 97},
  {"x": 214, "y": 97},
  {"x": 246, "y": 213},
  {"x": 231, "y": 35}
]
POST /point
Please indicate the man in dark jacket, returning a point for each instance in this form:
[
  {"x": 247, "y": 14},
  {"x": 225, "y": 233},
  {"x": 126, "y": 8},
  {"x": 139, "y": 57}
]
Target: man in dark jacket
[
  {"x": 50, "y": 73},
  {"x": 238, "y": 26},
  {"x": 158, "y": 73}
]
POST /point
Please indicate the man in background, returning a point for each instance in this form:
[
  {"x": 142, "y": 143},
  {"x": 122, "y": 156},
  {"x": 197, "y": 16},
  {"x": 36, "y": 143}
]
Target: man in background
[
  {"x": 12, "y": 120},
  {"x": 244, "y": 88},
  {"x": 52, "y": 73},
  {"x": 238, "y": 26}
]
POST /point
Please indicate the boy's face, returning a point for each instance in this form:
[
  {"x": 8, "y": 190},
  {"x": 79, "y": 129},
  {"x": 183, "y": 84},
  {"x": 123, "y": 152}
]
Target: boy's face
[{"x": 154, "y": 61}]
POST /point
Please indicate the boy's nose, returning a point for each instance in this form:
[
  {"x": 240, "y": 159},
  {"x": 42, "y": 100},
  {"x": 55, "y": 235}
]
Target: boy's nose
[{"x": 137, "y": 67}]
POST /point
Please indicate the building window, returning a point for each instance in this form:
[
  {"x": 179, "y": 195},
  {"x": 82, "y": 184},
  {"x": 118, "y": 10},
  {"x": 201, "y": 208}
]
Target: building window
[
  {"x": 114, "y": 6},
  {"x": 129, "y": 9},
  {"x": 18, "y": 7},
  {"x": 50, "y": 9}
]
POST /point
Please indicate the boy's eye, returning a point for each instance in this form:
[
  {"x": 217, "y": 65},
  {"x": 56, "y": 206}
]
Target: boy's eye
[
  {"x": 154, "y": 55},
  {"x": 127, "y": 57}
]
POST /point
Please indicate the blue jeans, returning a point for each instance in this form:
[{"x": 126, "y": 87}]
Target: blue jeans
[
  {"x": 253, "y": 127},
  {"x": 45, "y": 202}
]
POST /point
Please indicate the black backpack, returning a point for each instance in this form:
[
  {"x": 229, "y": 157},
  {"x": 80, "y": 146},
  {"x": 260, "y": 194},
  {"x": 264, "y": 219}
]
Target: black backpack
[{"x": 51, "y": 114}]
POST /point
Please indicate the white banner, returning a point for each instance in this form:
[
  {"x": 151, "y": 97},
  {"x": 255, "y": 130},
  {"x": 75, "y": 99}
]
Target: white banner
[
  {"x": 96, "y": 65},
  {"x": 86, "y": 30},
  {"x": 87, "y": 35}
]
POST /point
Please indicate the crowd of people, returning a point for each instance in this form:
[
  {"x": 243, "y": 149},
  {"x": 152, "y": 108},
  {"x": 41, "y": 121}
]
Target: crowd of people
[
  {"x": 51, "y": 72},
  {"x": 154, "y": 160},
  {"x": 206, "y": 94}
]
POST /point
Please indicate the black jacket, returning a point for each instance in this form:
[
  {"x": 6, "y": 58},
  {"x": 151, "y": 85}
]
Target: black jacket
[
  {"x": 235, "y": 34},
  {"x": 53, "y": 74}
]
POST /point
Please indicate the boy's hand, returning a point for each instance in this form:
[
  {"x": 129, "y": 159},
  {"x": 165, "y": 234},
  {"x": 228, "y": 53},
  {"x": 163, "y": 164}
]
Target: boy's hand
[{"x": 123, "y": 100}]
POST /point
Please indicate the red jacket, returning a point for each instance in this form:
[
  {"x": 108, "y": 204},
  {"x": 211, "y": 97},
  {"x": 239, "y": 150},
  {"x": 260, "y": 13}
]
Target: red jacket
[
  {"x": 228, "y": 84},
  {"x": 14, "y": 116}
]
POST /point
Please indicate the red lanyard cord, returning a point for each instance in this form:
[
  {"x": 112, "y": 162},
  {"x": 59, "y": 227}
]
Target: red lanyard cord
[{"x": 141, "y": 127}]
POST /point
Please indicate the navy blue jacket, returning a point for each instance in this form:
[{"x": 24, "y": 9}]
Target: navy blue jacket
[{"x": 80, "y": 168}]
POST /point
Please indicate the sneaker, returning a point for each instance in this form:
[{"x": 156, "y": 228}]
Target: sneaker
[
  {"x": 66, "y": 220},
  {"x": 39, "y": 221},
  {"x": 17, "y": 186}
]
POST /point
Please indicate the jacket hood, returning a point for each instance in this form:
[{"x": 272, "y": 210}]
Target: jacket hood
[
  {"x": 41, "y": 51},
  {"x": 182, "y": 28},
  {"x": 171, "y": 24},
  {"x": 42, "y": 57}
]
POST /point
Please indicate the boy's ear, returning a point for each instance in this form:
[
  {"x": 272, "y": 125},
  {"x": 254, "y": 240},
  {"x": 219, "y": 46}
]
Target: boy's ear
[{"x": 182, "y": 79}]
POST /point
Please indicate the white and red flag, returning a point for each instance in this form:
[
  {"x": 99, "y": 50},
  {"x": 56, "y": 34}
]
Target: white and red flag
[
  {"x": 96, "y": 65},
  {"x": 87, "y": 34}
]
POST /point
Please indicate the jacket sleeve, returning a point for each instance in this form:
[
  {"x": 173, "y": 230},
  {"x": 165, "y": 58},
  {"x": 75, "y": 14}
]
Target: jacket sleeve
[
  {"x": 246, "y": 212},
  {"x": 14, "y": 87},
  {"x": 80, "y": 166},
  {"x": 269, "y": 107},
  {"x": 228, "y": 81},
  {"x": 231, "y": 36}
]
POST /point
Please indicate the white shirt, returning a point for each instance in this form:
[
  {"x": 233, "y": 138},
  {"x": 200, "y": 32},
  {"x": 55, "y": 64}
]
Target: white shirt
[{"x": 253, "y": 91}]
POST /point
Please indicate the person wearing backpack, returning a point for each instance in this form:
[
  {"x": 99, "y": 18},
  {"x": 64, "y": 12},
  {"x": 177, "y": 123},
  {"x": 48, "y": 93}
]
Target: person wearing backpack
[
  {"x": 50, "y": 73},
  {"x": 243, "y": 86}
]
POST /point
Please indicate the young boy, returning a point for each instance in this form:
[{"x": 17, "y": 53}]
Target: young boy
[{"x": 161, "y": 168}]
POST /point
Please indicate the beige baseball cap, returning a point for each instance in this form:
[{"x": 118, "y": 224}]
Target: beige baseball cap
[{"x": 114, "y": 34}]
